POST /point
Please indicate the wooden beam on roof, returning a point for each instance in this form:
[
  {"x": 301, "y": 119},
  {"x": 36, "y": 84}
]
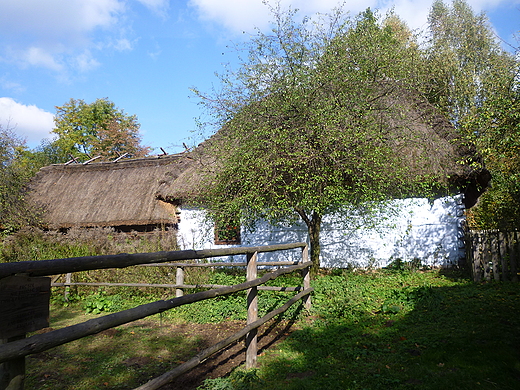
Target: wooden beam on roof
[
  {"x": 120, "y": 157},
  {"x": 92, "y": 159}
]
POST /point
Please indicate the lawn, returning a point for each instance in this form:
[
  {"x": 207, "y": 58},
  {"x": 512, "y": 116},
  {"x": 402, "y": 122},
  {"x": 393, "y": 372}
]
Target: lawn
[{"x": 390, "y": 329}]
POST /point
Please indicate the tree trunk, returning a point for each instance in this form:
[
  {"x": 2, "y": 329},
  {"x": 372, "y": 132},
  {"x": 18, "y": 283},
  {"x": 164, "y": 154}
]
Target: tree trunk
[{"x": 314, "y": 228}]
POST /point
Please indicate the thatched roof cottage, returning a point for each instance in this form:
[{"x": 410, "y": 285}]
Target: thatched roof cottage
[
  {"x": 144, "y": 194},
  {"x": 125, "y": 194}
]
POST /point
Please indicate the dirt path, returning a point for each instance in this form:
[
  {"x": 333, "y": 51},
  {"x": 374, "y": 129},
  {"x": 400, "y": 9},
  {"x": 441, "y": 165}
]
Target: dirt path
[{"x": 222, "y": 363}]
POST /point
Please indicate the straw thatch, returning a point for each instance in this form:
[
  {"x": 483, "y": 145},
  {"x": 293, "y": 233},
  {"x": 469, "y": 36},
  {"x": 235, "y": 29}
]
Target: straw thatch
[
  {"x": 118, "y": 194},
  {"x": 426, "y": 141}
]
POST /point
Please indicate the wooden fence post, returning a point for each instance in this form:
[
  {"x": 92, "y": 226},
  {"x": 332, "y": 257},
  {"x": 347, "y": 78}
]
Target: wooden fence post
[
  {"x": 502, "y": 248},
  {"x": 513, "y": 259},
  {"x": 12, "y": 372},
  {"x": 252, "y": 312},
  {"x": 179, "y": 279},
  {"x": 306, "y": 273},
  {"x": 68, "y": 280},
  {"x": 495, "y": 255}
]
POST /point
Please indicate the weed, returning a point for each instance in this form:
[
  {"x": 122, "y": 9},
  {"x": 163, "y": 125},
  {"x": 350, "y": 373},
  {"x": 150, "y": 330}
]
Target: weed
[
  {"x": 98, "y": 302},
  {"x": 237, "y": 380}
]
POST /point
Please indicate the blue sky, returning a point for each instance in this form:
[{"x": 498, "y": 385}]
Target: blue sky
[{"x": 144, "y": 55}]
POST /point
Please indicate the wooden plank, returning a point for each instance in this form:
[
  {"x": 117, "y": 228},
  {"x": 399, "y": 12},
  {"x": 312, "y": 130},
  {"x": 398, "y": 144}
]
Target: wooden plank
[
  {"x": 42, "y": 342},
  {"x": 495, "y": 256},
  {"x": 24, "y": 305},
  {"x": 477, "y": 257},
  {"x": 514, "y": 259},
  {"x": 12, "y": 372},
  {"x": 123, "y": 260},
  {"x": 486, "y": 258},
  {"x": 504, "y": 256},
  {"x": 184, "y": 286},
  {"x": 220, "y": 264}
]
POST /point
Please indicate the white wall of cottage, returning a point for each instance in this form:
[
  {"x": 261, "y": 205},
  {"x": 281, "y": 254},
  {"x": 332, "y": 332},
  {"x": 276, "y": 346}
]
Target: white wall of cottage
[{"x": 424, "y": 230}]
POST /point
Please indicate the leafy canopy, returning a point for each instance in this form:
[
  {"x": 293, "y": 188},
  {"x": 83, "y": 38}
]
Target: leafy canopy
[
  {"x": 476, "y": 83},
  {"x": 98, "y": 128},
  {"x": 305, "y": 120},
  {"x": 14, "y": 210}
]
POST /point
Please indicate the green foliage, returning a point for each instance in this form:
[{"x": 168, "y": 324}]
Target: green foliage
[
  {"x": 476, "y": 83},
  {"x": 237, "y": 380},
  {"x": 15, "y": 211},
  {"x": 33, "y": 244},
  {"x": 403, "y": 330},
  {"x": 463, "y": 52},
  {"x": 98, "y": 128},
  {"x": 305, "y": 121},
  {"x": 100, "y": 301},
  {"x": 495, "y": 129}
]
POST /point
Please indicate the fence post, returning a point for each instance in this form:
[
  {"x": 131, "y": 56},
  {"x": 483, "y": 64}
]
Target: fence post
[
  {"x": 515, "y": 252},
  {"x": 495, "y": 256},
  {"x": 179, "y": 279},
  {"x": 306, "y": 273},
  {"x": 502, "y": 248},
  {"x": 252, "y": 312},
  {"x": 12, "y": 372},
  {"x": 68, "y": 280}
]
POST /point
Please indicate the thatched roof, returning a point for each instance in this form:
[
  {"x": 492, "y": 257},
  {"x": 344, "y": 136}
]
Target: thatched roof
[
  {"x": 123, "y": 193},
  {"x": 419, "y": 133}
]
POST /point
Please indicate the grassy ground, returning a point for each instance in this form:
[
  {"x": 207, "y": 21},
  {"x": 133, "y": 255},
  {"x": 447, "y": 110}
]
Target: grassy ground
[
  {"x": 402, "y": 331},
  {"x": 380, "y": 330}
]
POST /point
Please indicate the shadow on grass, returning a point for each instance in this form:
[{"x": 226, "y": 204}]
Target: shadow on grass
[
  {"x": 454, "y": 337},
  {"x": 111, "y": 359},
  {"x": 128, "y": 356}
]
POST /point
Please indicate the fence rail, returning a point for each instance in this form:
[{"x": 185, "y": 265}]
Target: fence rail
[
  {"x": 13, "y": 352},
  {"x": 493, "y": 255}
]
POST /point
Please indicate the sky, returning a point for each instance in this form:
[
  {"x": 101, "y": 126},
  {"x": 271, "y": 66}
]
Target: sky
[{"x": 146, "y": 55}]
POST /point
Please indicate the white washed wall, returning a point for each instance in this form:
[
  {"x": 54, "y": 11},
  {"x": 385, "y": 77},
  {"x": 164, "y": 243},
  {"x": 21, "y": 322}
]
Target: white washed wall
[{"x": 422, "y": 230}]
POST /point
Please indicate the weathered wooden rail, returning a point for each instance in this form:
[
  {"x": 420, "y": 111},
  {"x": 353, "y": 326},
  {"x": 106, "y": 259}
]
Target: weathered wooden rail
[
  {"x": 14, "y": 349},
  {"x": 493, "y": 255}
]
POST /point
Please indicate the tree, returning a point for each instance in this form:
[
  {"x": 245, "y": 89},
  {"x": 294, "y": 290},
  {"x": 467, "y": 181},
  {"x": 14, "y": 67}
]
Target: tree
[
  {"x": 14, "y": 210},
  {"x": 494, "y": 127},
  {"x": 98, "y": 128},
  {"x": 459, "y": 51},
  {"x": 475, "y": 82},
  {"x": 305, "y": 123}
]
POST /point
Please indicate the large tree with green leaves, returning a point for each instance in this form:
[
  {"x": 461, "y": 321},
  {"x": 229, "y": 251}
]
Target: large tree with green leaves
[
  {"x": 98, "y": 128},
  {"x": 475, "y": 82},
  {"x": 304, "y": 123},
  {"x": 14, "y": 210},
  {"x": 494, "y": 127}
]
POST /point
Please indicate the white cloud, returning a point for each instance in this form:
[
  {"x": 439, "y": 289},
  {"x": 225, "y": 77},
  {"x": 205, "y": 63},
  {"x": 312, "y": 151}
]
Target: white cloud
[
  {"x": 84, "y": 62},
  {"x": 51, "y": 21},
  {"x": 160, "y": 7},
  {"x": 37, "y": 56},
  {"x": 29, "y": 122},
  {"x": 40, "y": 33},
  {"x": 244, "y": 15}
]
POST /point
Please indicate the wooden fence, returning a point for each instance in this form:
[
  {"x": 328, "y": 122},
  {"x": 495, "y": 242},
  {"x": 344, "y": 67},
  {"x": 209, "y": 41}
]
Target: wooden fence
[
  {"x": 21, "y": 282},
  {"x": 493, "y": 255}
]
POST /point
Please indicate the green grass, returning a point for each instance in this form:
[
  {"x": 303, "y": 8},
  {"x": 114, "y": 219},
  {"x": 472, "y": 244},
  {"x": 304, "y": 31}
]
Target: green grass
[
  {"x": 379, "y": 330},
  {"x": 120, "y": 358},
  {"x": 409, "y": 330}
]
